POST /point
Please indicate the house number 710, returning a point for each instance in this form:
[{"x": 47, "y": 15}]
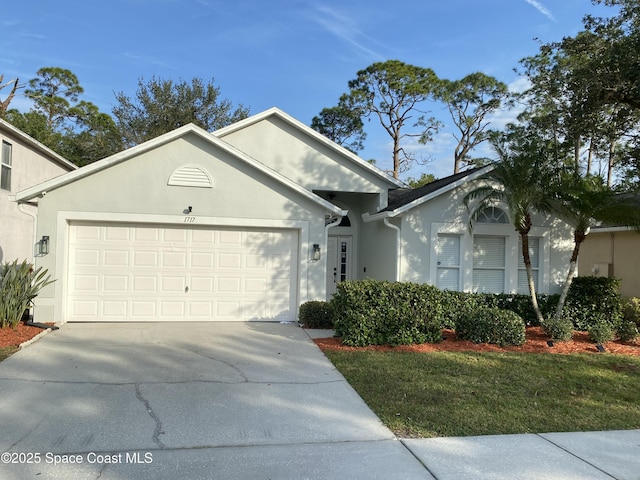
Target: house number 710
[{"x": 189, "y": 219}]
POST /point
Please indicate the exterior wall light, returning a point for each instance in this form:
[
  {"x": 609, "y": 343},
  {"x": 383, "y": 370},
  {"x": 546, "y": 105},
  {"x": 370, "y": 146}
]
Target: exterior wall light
[
  {"x": 316, "y": 252},
  {"x": 43, "y": 245}
]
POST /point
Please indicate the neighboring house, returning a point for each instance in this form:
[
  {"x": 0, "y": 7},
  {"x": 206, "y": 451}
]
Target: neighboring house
[
  {"x": 611, "y": 251},
  {"x": 24, "y": 162},
  {"x": 251, "y": 221}
]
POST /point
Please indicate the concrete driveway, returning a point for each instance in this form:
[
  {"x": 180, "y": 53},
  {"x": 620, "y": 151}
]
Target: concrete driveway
[{"x": 220, "y": 400}]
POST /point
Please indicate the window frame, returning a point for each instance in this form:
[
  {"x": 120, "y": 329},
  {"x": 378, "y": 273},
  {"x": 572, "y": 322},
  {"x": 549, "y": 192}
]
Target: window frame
[{"x": 6, "y": 165}]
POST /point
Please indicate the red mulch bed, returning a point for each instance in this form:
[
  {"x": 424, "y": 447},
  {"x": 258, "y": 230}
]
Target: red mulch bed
[
  {"x": 12, "y": 337},
  {"x": 536, "y": 343}
]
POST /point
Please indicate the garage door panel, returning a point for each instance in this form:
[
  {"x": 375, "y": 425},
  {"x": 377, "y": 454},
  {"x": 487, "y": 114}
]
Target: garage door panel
[
  {"x": 229, "y": 260},
  {"x": 150, "y": 273},
  {"x": 116, "y": 258},
  {"x": 142, "y": 309},
  {"x": 144, "y": 284},
  {"x": 86, "y": 257},
  {"x": 202, "y": 260},
  {"x": 145, "y": 259},
  {"x": 174, "y": 259},
  {"x": 175, "y": 235},
  {"x": 173, "y": 284},
  {"x": 116, "y": 283},
  {"x": 201, "y": 284},
  {"x": 111, "y": 308},
  {"x": 117, "y": 233},
  {"x": 86, "y": 283}
]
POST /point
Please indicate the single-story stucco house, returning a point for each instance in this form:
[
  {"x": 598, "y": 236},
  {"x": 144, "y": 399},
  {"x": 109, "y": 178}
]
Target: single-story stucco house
[
  {"x": 24, "y": 162},
  {"x": 250, "y": 221}
]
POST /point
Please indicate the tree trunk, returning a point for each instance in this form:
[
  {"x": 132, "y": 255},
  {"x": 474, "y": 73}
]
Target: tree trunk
[
  {"x": 590, "y": 157},
  {"x": 578, "y": 238},
  {"x": 612, "y": 150},
  {"x": 4, "y": 105},
  {"x": 576, "y": 156},
  {"x": 532, "y": 286},
  {"x": 396, "y": 157}
]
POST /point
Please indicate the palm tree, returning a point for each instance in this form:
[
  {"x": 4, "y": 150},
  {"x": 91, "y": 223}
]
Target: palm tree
[
  {"x": 521, "y": 179},
  {"x": 583, "y": 203}
]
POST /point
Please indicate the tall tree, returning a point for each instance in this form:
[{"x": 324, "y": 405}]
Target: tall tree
[
  {"x": 73, "y": 128},
  {"x": 586, "y": 88},
  {"x": 341, "y": 124},
  {"x": 470, "y": 101},
  {"x": 521, "y": 180},
  {"x": 395, "y": 92},
  {"x": 95, "y": 135},
  {"x": 160, "y": 106},
  {"x": 53, "y": 91}
]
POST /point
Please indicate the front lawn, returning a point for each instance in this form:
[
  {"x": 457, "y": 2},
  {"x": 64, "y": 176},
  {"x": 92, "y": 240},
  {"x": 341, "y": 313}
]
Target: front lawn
[
  {"x": 7, "y": 351},
  {"x": 441, "y": 394}
]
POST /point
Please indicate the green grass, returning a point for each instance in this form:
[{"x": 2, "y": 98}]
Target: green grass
[
  {"x": 7, "y": 351},
  {"x": 442, "y": 394}
]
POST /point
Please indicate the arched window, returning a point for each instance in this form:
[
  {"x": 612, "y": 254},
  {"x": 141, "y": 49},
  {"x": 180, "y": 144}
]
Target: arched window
[{"x": 492, "y": 215}]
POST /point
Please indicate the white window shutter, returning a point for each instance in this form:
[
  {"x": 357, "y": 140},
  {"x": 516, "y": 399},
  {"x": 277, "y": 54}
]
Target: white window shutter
[
  {"x": 448, "y": 258},
  {"x": 488, "y": 264}
]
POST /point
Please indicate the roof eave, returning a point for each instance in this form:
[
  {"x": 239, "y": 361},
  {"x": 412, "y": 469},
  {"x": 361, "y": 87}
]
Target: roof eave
[
  {"x": 73, "y": 176},
  {"x": 430, "y": 196},
  {"x": 53, "y": 156}
]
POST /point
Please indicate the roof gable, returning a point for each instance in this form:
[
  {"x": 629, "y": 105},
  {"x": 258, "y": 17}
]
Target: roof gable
[
  {"x": 126, "y": 155},
  {"x": 342, "y": 152}
]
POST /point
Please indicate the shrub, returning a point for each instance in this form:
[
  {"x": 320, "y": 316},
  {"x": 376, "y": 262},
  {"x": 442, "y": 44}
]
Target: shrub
[
  {"x": 560, "y": 330},
  {"x": 492, "y": 325},
  {"x": 601, "y": 332},
  {"x": 316, "y": 314},
  {"x": 372, "y": 312},
  {"x": 631, "y": 310},
  {"x": 627, "y": 331},
  {"x": 19, "y": 285},
  {"x": 593, "y": 300}
]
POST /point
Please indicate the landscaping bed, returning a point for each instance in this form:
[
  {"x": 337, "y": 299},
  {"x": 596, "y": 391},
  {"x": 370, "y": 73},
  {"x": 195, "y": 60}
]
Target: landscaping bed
[
  {"x": 536, "y": 343},
  {"x": 13, "y": 337}
]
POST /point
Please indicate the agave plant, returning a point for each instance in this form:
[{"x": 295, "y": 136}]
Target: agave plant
[{"x": 20, "y": 283}]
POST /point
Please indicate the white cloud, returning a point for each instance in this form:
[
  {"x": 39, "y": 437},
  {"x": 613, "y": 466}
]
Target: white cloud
[
  {"x": 343, "y": 27},
  {"x": 542, "y": 9}
]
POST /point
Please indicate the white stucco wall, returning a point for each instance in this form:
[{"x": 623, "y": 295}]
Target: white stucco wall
[
  {"x": 30, "y": 166},
  {"x": 447, "y": 213},
  {"x": 136, "y": 190}
]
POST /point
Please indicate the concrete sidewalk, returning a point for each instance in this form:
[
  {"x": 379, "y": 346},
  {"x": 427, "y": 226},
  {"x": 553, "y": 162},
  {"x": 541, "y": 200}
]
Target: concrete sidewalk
[{"x": 240, "y": 401}]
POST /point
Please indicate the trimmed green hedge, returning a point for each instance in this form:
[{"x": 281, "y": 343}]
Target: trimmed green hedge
[
  {"x": 492, "y": 325},
  {"x": 594, "y": 300},
  {"x": 316, "y": 314},
  {"x": 372, "y": 312}
]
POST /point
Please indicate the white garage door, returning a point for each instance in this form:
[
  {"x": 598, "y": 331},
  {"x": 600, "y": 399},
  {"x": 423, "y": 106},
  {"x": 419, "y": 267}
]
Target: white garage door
[{"x": 121, "y": 272}]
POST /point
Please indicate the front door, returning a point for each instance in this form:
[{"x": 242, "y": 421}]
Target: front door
[{"x": 339, "y": 263}]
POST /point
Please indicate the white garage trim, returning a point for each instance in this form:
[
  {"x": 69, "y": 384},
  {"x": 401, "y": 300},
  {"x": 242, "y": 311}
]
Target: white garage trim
[{"x": 66, "y": 219}]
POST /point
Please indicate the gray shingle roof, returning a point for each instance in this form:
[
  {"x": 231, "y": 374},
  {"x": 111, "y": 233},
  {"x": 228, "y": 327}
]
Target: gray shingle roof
[{"x": 402, "y": 196}]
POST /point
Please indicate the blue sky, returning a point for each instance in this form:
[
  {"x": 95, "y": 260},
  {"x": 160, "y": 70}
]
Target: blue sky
[{"x": 297, "y": 55}]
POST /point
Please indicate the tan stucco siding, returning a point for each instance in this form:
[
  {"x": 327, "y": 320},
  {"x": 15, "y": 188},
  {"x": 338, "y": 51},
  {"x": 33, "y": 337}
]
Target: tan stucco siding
[{"x": 613, "y": 254}]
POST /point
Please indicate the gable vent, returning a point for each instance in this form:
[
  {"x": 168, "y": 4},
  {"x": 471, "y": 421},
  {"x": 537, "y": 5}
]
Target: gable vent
[{"x": 191, "y": 176}]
